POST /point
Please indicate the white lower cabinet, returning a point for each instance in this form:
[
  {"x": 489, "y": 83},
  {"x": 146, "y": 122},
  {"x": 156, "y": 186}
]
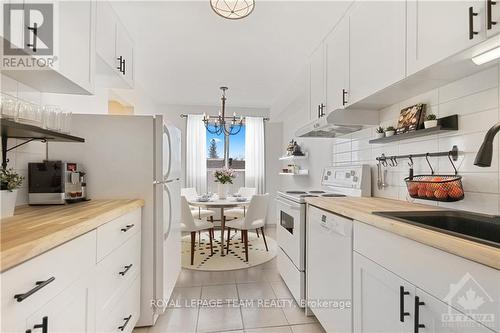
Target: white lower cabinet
[
  {"x": 382, "y": 300},
  {"x": 67, "y": 290},
  {"x": 400, "y": 285},
  {"x": 436, "y": 316},
  {"x": 70, "y": 311}
]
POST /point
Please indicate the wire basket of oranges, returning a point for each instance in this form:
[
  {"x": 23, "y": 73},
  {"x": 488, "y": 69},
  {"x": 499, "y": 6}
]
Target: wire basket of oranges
[{"x": 446, "y": 188}]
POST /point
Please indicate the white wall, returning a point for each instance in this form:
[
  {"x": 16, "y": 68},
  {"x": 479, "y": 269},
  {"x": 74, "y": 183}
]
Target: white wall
[
  {"x": 476, "y": 101},
  {"x": 93, "y": 104}
]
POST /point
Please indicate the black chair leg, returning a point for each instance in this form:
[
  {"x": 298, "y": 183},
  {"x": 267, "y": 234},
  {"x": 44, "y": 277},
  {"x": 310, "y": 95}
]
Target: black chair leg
[
  {"x": 257, "y": 231},
  {"x": 245, "y": 240},
  {"x": 228, "y": 237},
  {"x": 193, "y": 241},
  {"x": 211, "y": 243},
  {"x": 264, "y": 236}
]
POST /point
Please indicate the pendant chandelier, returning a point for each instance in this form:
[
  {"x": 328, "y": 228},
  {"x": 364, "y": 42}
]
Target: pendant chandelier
[
  {"x": 219, "y": 125},
  {"x": 233, "y": 9}
]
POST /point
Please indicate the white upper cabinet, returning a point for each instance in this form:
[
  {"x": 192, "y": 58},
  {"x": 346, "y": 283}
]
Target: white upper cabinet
[
  {"x": 377, "y": 46},
  {"x": 317, "y": 82},
  {"x": 59, "y": 36},
  {"x": 383, "y": 302},
  {"x": 106, "y": 36},
  {"x": 125, "y": 52},
  {"x": 115, "y": 49},
  {"x": 337, "y": 66},
  {"x": 439, "y": 29},
  {"x": 492, "y": 18}
]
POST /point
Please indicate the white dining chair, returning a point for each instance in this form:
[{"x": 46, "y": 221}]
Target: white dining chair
[
  {"x": 192, "y": 225},
  {"x": 255, "y": 218},
  {"x": 199, "y": 213},
  {"x": 239, "y": 212}
]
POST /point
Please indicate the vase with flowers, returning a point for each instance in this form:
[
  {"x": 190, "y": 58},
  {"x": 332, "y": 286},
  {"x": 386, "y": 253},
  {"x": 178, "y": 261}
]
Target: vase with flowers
[{"x": 223, "y": 177}]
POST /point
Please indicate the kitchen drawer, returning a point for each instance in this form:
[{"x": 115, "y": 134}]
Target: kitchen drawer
[
  {"x": 112, "y": 234},
  {"x": 294, "y": 279},
  {"x": 126, "y": 306},
  {"x": 113, "y": 273},
  {"x": 58, "y": 267}
]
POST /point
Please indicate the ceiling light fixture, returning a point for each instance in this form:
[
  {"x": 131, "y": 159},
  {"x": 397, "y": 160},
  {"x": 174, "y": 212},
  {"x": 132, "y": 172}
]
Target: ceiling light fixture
[
  {"x": 222, "y": 124},
  {"x": 233, "y": 9},
  {"x": 487, "y": 56}
]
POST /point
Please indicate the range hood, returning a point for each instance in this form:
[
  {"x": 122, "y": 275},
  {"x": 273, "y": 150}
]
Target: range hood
[{"x": 339, "y": 122}]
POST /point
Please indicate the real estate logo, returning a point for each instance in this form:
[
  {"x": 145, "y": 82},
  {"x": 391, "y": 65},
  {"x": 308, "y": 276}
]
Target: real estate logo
[
  {"x": 28, "y": 36},
  {"x": 473, "y": 302}
]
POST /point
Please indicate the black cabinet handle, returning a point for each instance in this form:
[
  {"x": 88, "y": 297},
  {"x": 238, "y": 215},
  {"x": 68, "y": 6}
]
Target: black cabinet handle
[
  {"x": 490, "y": 22},
  {"x": 417, "y": 314},
  {"x": 39, "y": 285},
  {"x": 127, "y": 227},
  {"x": 471, "y": 23},
  {"x": 121, "y": 328},
  {"x": 34, "y": 28},
  {"x": 344, "y": 95},
  {"x": 122, "y": 273},
  {"x": 44, "y": 325},
  {"x": 120, "y": 62},
  {"x": 124, "y": 66},
  {"x": 321, "y": 110},
  {"x": 402, "y": 313}
]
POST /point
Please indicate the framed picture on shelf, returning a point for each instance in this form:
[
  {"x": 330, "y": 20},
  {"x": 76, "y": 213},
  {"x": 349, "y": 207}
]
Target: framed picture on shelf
[{"x": 411, "y": 118}]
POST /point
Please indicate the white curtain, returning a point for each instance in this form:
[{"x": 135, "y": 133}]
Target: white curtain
[
  {"x": 196, "y": 153},
  {"x": 255, "y": 153}
]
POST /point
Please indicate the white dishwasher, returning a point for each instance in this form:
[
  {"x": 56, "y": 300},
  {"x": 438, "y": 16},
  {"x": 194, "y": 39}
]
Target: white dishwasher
[{"x": 329, "y": 269}]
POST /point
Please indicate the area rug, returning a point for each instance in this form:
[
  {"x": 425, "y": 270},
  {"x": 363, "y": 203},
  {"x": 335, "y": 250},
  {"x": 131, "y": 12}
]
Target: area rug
[{"x": 235, "y": 259}]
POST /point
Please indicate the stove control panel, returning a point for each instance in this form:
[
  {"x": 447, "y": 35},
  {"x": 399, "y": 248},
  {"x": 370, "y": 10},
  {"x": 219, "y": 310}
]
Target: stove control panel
[{"x": 350, "y": 177}]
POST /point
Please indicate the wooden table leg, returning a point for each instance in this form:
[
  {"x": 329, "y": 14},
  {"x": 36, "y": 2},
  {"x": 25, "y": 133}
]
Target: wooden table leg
[{"x": 222, "y": 226}]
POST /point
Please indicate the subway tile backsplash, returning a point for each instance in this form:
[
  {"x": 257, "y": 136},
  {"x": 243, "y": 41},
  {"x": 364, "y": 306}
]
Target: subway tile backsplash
[{"x": 476, "y": 101}]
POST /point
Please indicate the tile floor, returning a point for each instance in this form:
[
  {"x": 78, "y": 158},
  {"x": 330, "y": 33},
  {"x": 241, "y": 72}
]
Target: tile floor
[{"x": 253, "y": 300}]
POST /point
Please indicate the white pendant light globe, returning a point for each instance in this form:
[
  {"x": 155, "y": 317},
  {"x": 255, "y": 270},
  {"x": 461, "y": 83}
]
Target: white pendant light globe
[{"x": 233, "y": 9}]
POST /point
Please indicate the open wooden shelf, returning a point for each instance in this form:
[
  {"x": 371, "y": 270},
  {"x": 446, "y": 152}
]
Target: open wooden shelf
[
  {"x": 14, "y": 130},
  {"x": 445, "y": 124}
]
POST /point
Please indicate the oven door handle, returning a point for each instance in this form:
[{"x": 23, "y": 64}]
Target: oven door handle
[{"x": 287, "y": 204}]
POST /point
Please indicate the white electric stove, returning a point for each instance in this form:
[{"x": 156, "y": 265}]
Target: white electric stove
[{"x": 344, "y": 181}]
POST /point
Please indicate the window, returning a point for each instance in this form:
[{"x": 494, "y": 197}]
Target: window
[
  {"x": 215, "y": 157},
  {"x": 215, "y": 153}
]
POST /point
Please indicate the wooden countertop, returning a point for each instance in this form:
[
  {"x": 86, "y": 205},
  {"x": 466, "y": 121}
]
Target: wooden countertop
[
  {"x": 34, "y": 230},
  {"x": 361, "y": 209}
]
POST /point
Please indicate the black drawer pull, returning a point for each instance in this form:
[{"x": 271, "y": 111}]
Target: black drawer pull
[
  {"x": 402, "y": 313},
  {"x": 39, "y": 285},
  {"x": 127, "y": 227},
  {"x": 121, "y": 328},
  {"x": 44, "y": 325},
  {"x": 417, "y": 314},
  {"x": 122, "y": 273},
  {"x": 344, "y": 97}
]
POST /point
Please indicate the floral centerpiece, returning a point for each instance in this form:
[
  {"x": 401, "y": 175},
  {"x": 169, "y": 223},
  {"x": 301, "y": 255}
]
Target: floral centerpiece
[
  {"x": 224, "y": 176},
  {"x": 10, "y": 181}
]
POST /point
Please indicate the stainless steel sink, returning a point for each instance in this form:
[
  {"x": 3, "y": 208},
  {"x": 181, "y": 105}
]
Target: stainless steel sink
[{"x": 479, "y": 228}]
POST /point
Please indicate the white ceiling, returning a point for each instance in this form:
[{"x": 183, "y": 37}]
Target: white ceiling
[{"x": 184, "y": 51}]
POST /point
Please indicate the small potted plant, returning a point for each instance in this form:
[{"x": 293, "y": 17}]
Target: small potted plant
[
  {"x": 389, "y": 131},
  {"x": 10, "y": 181},
  {"x": 224, "y": 177},
  {"x": 379, "y": 132},
  {"x": 430, "y": 121}
]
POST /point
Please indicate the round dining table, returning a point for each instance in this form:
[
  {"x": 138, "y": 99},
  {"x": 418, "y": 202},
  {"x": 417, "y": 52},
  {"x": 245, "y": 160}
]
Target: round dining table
[{"x": 216, "y": 203}]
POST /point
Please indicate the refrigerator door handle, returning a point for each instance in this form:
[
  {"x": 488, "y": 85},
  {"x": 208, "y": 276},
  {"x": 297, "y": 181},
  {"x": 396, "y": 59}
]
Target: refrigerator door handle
[
  {"x": 165, "y": 131},
  {"x": 167, "y": 233},
  {"x": 162, "y": 182}
]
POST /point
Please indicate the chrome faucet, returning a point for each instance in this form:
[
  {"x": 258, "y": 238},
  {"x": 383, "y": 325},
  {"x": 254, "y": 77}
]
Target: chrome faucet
[{"x": 485, "y": 153}]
